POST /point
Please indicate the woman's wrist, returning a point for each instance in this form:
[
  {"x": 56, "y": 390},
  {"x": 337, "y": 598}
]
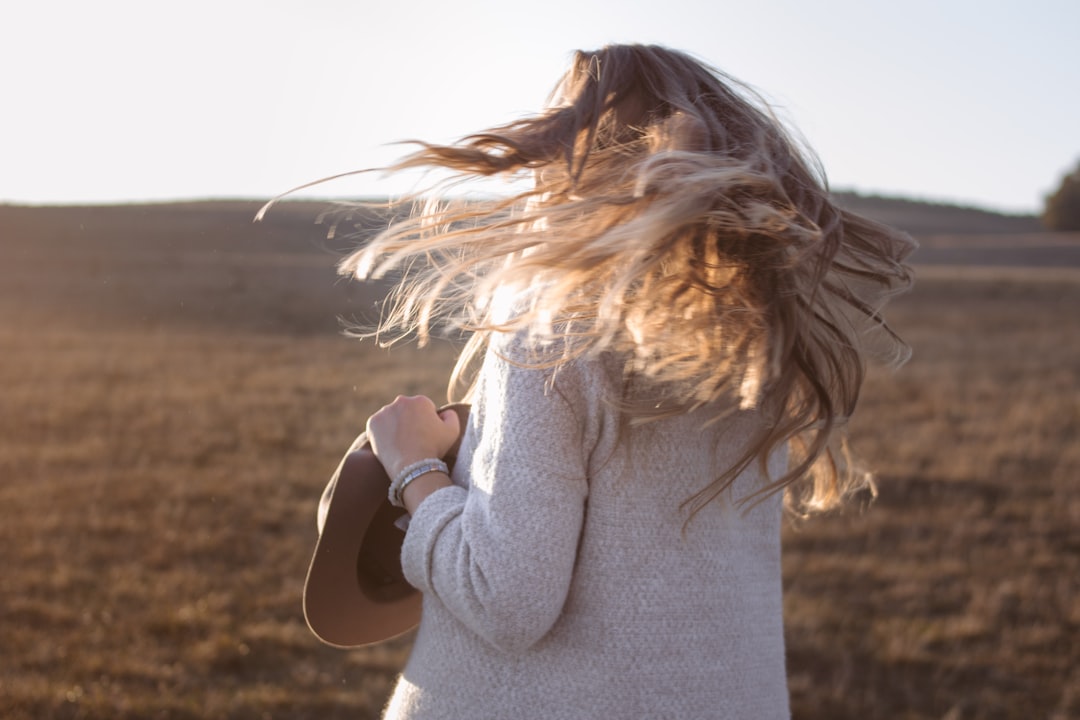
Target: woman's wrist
[
  {"x": 418, "y": 490},
  {"x": 410, "y": 474}
]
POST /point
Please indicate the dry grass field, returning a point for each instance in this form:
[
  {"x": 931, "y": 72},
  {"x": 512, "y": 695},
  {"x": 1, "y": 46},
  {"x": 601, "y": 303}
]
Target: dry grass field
[{"x": 176, "y": 391}]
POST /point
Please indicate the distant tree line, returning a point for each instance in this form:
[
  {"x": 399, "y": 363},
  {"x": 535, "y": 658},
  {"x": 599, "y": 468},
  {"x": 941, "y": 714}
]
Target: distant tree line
[{"x": 1062, "y": 211}]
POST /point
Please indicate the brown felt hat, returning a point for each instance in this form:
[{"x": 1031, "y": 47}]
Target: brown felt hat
[{"x": 355, "y": 593}]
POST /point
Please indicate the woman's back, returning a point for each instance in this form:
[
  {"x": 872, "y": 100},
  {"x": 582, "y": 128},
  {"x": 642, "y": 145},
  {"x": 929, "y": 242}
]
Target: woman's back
[{"x": 560, "y": 581}]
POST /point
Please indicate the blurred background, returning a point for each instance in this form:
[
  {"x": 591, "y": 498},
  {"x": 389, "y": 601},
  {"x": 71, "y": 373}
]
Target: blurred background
[{"x": 177, "y": 387}]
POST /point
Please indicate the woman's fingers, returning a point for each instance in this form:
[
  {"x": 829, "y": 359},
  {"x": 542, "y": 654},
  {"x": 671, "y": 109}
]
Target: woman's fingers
[
  {"x": 410, "y": 429},
  {"x": 452, "y": 421}
]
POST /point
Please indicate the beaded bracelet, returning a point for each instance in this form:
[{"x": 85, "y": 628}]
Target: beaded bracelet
[{"x": 410, "y": 473}]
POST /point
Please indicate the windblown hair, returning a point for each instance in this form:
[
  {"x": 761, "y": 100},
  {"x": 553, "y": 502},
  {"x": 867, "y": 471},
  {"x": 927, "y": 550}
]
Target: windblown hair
[{"x": 670, "y": 220}]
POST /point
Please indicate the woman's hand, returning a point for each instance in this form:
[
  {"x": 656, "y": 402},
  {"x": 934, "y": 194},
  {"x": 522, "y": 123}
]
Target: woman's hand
[{"x": 410, "y": 429}]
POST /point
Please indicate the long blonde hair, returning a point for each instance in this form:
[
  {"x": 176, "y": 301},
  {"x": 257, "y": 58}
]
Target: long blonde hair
[{"x": 672, "y": 220}]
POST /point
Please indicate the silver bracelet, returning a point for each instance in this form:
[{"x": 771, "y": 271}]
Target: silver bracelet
[{"x": 410, "y": 473}]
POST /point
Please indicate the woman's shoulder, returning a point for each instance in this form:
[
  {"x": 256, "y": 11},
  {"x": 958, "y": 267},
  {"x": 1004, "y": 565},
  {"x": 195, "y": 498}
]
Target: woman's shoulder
[{"x": 557, "y": 359}]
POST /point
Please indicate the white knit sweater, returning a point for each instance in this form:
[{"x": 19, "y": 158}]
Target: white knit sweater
[{"x": 557, "y": 577}]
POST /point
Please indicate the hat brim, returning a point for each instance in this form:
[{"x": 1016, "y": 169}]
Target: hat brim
[{"x": 355, "y": 592}]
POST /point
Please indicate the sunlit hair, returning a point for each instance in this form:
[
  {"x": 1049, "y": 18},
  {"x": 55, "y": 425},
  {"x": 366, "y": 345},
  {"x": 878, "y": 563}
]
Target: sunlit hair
[{"x": 670, "y": 220}]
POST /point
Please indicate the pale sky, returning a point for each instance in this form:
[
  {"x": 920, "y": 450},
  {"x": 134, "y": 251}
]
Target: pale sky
[{"x": 131, "y": 100}]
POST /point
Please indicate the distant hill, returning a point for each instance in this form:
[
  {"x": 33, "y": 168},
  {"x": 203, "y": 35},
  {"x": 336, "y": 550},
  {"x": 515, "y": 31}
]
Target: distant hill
[
  {"x": 201, "y": 262},
  {"x": 187, "y": 264},
  {"x": 228, "y": 223},
  {"x": 920, "y": 217},
  {"x": 207, "y": 225},
  {"x": 969, "y": 237}
]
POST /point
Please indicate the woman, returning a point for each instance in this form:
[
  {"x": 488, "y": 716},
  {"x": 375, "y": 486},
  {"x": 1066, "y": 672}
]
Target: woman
[{"x": 672, "y": 322}]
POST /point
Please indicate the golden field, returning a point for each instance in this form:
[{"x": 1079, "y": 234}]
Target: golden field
[{"x": 176, "y": 391}]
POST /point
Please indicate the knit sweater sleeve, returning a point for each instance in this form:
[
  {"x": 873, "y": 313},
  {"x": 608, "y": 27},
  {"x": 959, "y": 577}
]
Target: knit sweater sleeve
[{"x": 499, "y": 553}]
